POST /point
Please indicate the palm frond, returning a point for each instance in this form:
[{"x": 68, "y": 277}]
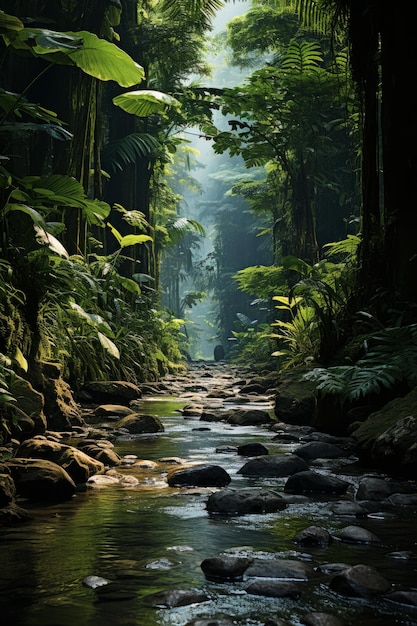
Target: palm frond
[{"x": 128, "y": 149}]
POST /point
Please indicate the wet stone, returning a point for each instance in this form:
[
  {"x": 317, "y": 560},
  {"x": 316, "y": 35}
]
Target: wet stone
[
  {"x": 313, "y": 537},
  {"x": 274, "y": 589},
  {"x": 280, "y": 568},
  {"x": 225, "y": 567},
  {"x": 245, "y": 501},
  {"x": 273, "y": 465},
  {"x": 322, "y": 619},
  {"x": 198, "y": 476},
  {"x": 356, "y": 534},
  {"x": 176, "y": 597},
  {"x": 360, "y": 581},
  {"x": 314, "y": 482}
]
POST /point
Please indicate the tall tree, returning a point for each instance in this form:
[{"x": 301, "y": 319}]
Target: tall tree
[{"x": 383, "y": 57}]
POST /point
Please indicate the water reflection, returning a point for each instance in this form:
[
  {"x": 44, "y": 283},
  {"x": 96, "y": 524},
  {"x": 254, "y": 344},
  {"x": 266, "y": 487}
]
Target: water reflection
[{"x": 147, "y": 537}]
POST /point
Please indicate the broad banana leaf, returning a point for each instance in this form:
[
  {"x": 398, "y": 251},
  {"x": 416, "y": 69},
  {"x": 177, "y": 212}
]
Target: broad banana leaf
[
  {"x": 145, "y": 102},
  {"x": 94, "y": 56}
]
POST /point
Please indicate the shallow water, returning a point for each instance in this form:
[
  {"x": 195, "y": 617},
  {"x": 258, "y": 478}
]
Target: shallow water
[{"x": 152, "y": 537}]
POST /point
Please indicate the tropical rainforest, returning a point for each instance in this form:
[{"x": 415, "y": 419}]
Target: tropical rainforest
[{"x": 312, "y": 211}]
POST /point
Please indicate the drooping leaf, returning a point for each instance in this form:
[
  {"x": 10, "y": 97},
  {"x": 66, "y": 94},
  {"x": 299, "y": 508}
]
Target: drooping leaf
[
  {"x": 108, "y": 345},
  {"x": 130, "y": 285},
  {"x": 9, "y": 22},
  {"x": 36, "y": 217},
  {"x": 145, "y": 102},
  {"x": 46, "y": 239},
  {"x": 132, "y": 240},
  {"x": 20, "y": 359},
  {"x": 53, "y": 130}
]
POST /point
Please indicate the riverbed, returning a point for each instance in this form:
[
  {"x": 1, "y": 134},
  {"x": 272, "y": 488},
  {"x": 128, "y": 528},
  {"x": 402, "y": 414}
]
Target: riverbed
[{"x": 145, "y": 537}]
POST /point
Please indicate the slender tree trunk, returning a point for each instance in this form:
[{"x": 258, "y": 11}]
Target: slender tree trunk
[{"x": 399, "y": 136}]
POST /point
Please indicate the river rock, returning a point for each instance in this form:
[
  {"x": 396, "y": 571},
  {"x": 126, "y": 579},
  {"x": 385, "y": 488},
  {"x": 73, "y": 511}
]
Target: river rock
[
  {"x": 140, "y": 424},
  {"x": 204, "y": 475},
  {"x": 252, "y": 449},
  {"x": 356, "y": 534},
  {"x": 378, "y": 489},
  {"x": 295, "y": 397},
  {"x": 246, "y": 417},
  {"x": 322, "y": 619},
  {"x": 210, "y": 622},
  {"x": 280, "y": 568},
  {"x": 408, "y": 597},
  {"x": 79, "y": 465},
  {"x": 192, "y": 410},
  {"x": 172, "y": 598},
  {"x": 13, "y": 514},
  {"x": 319, "y": 450},
  {"x": 314, "y": 482},
  {"x": 93, "y": 582},
  {"x": 62, "y": 412},
  {"x": 274, "y": 589},
  {"x": 346, "y": 508},
  {"x": 225, "y": 567},
  {"x": 117, "y": 391},
  {"x": 245, "y": 501},
  {"x": 273, "y": 465},
  {"x": 313, "y": 537},
  {"x": 39, "y": 480},
  {"x": 7, "y": 488},
  {"x": 111, "y": 410},
  {"x": 104, "y": 454},
  {"x": 388, "y": 437},
  {"x": 403, "y": 499},
  {"x": 30, "y": 405},
  {"x": 360, "y": 581}
]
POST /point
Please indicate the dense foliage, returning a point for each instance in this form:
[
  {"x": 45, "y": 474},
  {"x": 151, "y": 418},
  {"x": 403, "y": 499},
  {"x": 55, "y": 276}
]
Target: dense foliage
[{"x": 311, "y": 202}]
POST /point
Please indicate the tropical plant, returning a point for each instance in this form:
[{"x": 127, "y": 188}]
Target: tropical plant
[
  {"x": 317, "y": 295},
  {"x": 389, "y": 360}
]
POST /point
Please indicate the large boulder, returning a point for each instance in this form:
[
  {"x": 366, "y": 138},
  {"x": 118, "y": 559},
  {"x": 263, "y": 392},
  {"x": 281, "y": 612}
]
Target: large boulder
[
  {"x": 388, "y": 437},
  {"x": 225, "y": 567},
  {"x": 62, "y": 412},
  {"x": 314, "y": 482},
  {"x": 30, "y": 406},
  {"x": 75, "y": 462},
  {"x": 202, "y": 475},
  {"x": 319, "y": 450},
  {"x": 38, "y": 480},
  {"x": 140, "y": 424},
  {"x": 273, "y": 465},
  {"x": 117, "y": 391},
  {"x": 360, "y": 581},
  {"x": 282, "y": 569},
  {"x": 246, "y": 417},
  {"x": 7, "y": 488},
  {"x": 245, "y": 501},
  {"x": 295, "y": 397}
]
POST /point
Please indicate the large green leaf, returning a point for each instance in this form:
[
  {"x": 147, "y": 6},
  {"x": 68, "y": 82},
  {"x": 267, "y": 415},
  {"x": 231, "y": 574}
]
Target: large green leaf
[
  {"x": 106, "y": 61},
  {"x": 63, "y": 190},
  {"x": 94, "y": 56},
  {"x": 145, "y": 102}
]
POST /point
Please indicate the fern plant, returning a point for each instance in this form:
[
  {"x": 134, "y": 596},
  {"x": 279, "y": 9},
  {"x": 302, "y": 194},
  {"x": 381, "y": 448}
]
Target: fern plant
[{"x": 390, "y": 360}]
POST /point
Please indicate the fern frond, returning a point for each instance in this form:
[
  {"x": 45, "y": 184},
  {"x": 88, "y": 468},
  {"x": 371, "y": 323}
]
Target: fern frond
[{"x": 129, "y": 149}]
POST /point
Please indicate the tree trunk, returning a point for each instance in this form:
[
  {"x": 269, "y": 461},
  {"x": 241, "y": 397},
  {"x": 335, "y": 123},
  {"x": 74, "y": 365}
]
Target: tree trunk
[{"x": 399, "y": 137}]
